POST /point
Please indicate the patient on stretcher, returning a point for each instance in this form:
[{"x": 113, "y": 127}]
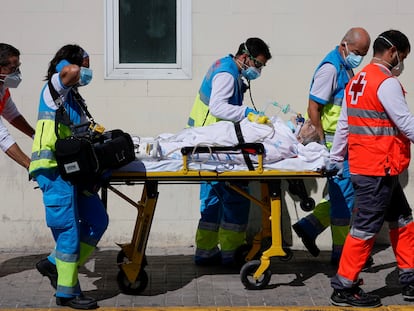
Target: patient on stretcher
[{"x": 280, "y": 142}]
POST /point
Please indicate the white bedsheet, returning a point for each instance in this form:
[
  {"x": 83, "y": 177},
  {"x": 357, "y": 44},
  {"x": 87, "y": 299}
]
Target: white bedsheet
[{"x": 282, "y": 149}]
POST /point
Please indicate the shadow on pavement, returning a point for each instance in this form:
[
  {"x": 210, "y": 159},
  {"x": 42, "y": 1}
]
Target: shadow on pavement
[{"x": 172, "y": 272}]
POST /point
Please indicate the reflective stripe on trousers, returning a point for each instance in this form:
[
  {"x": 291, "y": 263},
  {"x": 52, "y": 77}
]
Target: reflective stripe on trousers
[
  {"x": 224, "y": 217},
  {"x": 75, "y": 220}
]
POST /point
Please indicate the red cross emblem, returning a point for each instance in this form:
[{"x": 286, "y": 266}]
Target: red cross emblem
[{"x": 357, "y": 88}]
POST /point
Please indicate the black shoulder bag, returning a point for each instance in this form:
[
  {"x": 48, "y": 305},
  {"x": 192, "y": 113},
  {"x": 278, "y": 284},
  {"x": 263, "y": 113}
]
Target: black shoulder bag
[{"x": 83, "y": 157}]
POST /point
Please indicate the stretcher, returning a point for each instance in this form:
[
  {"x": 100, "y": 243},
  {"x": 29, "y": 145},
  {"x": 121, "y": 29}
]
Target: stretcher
[{"x": 255, "y": 273}]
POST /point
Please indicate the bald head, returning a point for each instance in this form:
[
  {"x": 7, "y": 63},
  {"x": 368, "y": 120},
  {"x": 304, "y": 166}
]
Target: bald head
[{"x": 358, "y": 40}]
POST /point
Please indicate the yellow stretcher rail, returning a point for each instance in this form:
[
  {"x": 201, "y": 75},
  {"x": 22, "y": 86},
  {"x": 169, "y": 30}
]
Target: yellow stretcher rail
[{"x": 255, "y": 274}]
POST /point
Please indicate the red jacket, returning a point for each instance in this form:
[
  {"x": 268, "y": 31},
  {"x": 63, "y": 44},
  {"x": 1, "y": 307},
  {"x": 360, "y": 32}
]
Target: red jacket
[{"x": 376, "y": 147}]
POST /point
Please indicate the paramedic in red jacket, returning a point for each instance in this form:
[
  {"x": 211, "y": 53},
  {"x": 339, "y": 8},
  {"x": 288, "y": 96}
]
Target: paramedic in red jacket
[{"x": 377, "y": 125}]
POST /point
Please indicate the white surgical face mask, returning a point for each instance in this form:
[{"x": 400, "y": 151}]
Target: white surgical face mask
[
  {"x": 12, "y": 80},
  {"x": 398, "y": 69}
]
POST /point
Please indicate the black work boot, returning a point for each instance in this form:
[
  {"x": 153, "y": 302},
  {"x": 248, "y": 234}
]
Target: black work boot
[
  {"x": 48, "y": 269},
  {"x": 354, "y": 297},
  {"x": 309, "y": 243},
  {"x": 408, "y": 292},
  {"x": 79, "y": 302}
]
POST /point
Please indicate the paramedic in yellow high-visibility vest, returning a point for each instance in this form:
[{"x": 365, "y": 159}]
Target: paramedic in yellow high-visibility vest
[
  {"x": 74, "y": 213},
  {"x": 325, "y": 101},
  {"x": 224, "y": 213}
]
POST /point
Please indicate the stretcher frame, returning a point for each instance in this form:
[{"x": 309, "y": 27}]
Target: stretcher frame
[{"x": 132, "y": 278}]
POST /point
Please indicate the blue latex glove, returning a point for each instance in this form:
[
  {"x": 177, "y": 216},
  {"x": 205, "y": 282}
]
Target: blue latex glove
[
  {"x": 248, "y": 110},
  {"x": 61, "y": 64},
  {"x": 335, "y": 168}
]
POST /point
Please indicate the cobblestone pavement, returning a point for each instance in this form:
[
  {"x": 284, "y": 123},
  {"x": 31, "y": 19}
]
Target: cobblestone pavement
[{"x": 174, "y": 281}]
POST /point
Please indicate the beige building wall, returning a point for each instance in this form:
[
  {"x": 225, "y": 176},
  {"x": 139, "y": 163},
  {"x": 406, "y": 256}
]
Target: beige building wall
[{"x": 299, "y": 33}]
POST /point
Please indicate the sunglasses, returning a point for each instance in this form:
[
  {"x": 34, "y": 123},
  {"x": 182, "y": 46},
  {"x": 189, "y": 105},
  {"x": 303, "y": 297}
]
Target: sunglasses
[{"x": 257, "y": 63}]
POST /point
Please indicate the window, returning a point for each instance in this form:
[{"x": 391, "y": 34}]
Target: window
[{"x": 148, "y": 39}]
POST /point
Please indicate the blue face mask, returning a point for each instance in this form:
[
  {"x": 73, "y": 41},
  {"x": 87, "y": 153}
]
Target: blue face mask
[
  {"x": 250, "y": 73},
  {"x": 85, "y": 76},
  {"x": 352, "y": 59}
]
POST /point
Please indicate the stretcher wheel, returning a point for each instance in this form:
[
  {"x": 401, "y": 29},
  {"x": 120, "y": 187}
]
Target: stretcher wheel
[
  {"x": 134, "y": 288},
  {"x": 307, "y": 205},
  {"x": 247, "y": 272}
]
